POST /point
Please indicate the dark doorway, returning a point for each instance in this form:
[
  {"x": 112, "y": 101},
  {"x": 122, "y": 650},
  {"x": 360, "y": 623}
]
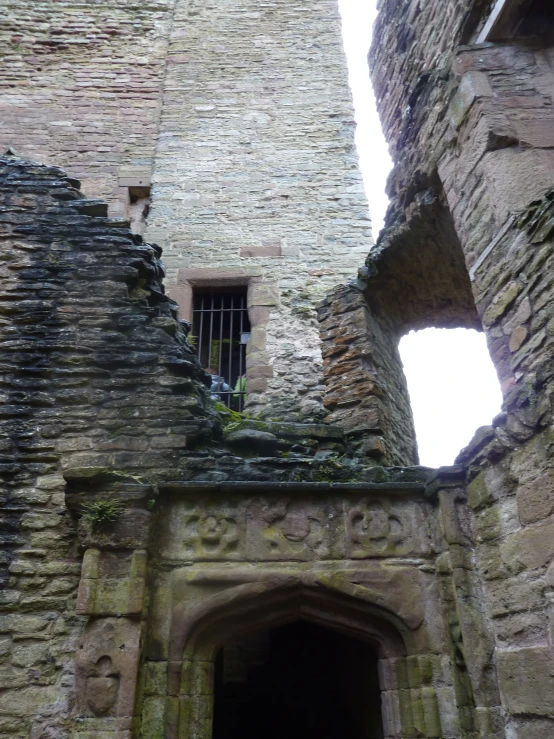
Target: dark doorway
[
  {"x": 298, "y": 681},
  {"x": 221, "y": 330}
]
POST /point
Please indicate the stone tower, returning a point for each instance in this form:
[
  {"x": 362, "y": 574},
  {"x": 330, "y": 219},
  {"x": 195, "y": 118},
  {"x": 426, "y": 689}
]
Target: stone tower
[{"x": 256, "y": 177}]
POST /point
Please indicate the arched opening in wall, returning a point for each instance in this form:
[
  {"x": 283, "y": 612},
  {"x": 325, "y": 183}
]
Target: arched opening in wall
[
  {"x": 300, "y": 681},
  {"x": 420, "y": 280},
  {"x": 453, "y": 389}
]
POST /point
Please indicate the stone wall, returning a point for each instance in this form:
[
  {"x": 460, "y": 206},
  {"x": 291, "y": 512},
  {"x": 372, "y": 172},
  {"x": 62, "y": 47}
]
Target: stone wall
[
  {"x": 80, "y": 88},
  {"x": 106, "y": 414},
  {"x": 475, "y": 134},
  {"x": 359, "y": 559},
  {"x": 256, "y": 170},
  {"x": 366, "y": 387},
  {"x": 98, "y": 382},
  {"x": 244, "y": 112}
]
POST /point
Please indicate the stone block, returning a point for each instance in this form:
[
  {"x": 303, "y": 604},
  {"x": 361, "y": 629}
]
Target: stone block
[
  {"x": 535, "y": 499},
  {"x": 472, "y": 86},
  {"x": 256, "y": 385},
  {"x": 530, "y": 548},
  {"x": 287, "y": 529},
  {"x": 259, "y": 315},
  {"x": 500, "y": 303},
  {"x": 112, "y": 593},
  {"x": 205, "y": 531},
  {"x": 30, "y": 655},
  {"x": 130, "y": 531},
  {"x": 263, "y": 294},
  {"x": 390, "y": 708},
  {"x": 9, "y": 599},
  {"x": 515, "y": 595},
  {"x": 431, "y": 712},
  {"x": 529, "y": 728},
  {"x": 153, "y": 718},
  {"x": 517, "y": 338},
  {"x": 260, "y": 251},
  {"x": 26, "y": 701},
  {"x": 449, "y": 721},
  {"x": 106, "y": 668},
  {"x": 262, "y": 371},
  {"x": 536, "y": 131},
  {"x": 526, "y": 679}
]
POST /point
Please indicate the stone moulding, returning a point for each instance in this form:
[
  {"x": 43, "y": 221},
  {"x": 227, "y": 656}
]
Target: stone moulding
[{"x": 249, "y": 602}]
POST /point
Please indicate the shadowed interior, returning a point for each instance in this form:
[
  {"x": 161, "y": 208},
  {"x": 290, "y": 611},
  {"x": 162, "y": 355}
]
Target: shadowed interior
[{"x": 301, "y": 681}]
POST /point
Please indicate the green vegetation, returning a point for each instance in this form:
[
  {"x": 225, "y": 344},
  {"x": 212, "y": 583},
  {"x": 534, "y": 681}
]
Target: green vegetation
[{"x": 102, "y": 512}]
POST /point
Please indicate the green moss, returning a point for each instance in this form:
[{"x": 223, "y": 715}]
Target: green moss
[
  {"x": 228, "y": 416},
  {"x": 327, "y": 471}
]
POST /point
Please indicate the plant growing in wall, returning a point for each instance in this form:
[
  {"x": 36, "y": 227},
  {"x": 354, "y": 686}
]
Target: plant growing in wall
[{"x": 103, "y": 512}]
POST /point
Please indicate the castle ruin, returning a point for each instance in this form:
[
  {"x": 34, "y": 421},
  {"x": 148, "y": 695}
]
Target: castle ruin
[{"x": 214, "y": 524}]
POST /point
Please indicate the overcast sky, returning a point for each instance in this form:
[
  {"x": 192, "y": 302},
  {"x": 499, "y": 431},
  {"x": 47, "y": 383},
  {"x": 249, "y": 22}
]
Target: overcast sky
[{"x": 452, "y": 383}]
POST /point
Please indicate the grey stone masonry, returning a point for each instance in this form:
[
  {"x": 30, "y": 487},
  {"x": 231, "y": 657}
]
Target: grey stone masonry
[{"x": 256, "y": 169}]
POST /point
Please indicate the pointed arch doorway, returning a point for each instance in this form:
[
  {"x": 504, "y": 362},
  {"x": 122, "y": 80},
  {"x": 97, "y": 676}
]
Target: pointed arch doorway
[{"x": 299, "y": 680}]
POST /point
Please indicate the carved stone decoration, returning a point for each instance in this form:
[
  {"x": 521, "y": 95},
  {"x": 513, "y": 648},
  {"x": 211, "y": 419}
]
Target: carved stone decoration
[
  {"x": 204, "y": 531},
  {"x": 103, "y": 687},
  {"x": 212, "y": 534},
  {"x": 106, "y": 668},
  {"x": 379, "y": 528},
  {"x": 289, "y": 529}
]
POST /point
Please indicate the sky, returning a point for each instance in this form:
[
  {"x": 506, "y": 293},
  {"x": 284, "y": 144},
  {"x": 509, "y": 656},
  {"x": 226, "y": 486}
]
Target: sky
[{"x": 452, "y": 382}]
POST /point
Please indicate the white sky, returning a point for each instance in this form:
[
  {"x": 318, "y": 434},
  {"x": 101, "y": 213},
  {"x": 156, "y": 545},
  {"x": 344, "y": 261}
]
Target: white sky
[{"x": 452, "y": 382}]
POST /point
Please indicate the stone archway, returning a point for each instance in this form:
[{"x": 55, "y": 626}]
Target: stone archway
[{"x": 198, "y": 633}]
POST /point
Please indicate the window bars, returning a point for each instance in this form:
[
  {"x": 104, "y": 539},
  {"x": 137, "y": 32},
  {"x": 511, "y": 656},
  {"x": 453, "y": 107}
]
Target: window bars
[{"x": 221, "y": 329}]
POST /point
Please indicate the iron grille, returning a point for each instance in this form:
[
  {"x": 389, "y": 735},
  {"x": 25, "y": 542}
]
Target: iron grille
[{"x": 221, "y": 328}]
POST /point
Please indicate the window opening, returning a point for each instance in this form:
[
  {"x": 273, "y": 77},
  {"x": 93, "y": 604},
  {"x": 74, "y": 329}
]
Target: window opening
[
  {"x": 300, "y": 681},
  {"x": 517, "y": 19},
  {"x": 453, "y": 389},
  {"x": 221, "y": 329}
]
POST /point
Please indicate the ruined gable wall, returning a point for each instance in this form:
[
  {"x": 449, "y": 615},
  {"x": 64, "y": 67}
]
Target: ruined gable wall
[
  {"x": 104, "y": 389},
  {"x": 98, "y": 383},
  {"x": 80, "y": 88},
  {"x": 481, "y": 133}
]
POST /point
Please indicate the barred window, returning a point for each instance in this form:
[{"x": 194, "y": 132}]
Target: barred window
[{"x": 221, "y": 329}]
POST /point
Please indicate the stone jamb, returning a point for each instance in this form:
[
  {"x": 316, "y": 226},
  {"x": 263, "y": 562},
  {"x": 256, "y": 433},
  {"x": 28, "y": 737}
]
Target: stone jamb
[{"x": 262, "y": 296}]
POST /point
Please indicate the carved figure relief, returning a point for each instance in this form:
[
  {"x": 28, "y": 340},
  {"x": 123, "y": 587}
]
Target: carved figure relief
[
  {"x": 102, "y": 687},
  {"x": 212, "y": 533},
  {"x": 373, "y": 530},
  {"x": 289, "y": 529}
]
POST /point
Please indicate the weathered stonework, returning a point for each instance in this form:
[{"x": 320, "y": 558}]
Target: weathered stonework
[
  {"x": 471, "y": 131},
  {"x": 145, "y": 529},
  {"x": 81, "y": 88},
  {"x": 90, "y": 346},
  {"x": 272, "y": 522},
  {"x": 239, "y": 118},
  {"x": 256, "y": 166}
]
